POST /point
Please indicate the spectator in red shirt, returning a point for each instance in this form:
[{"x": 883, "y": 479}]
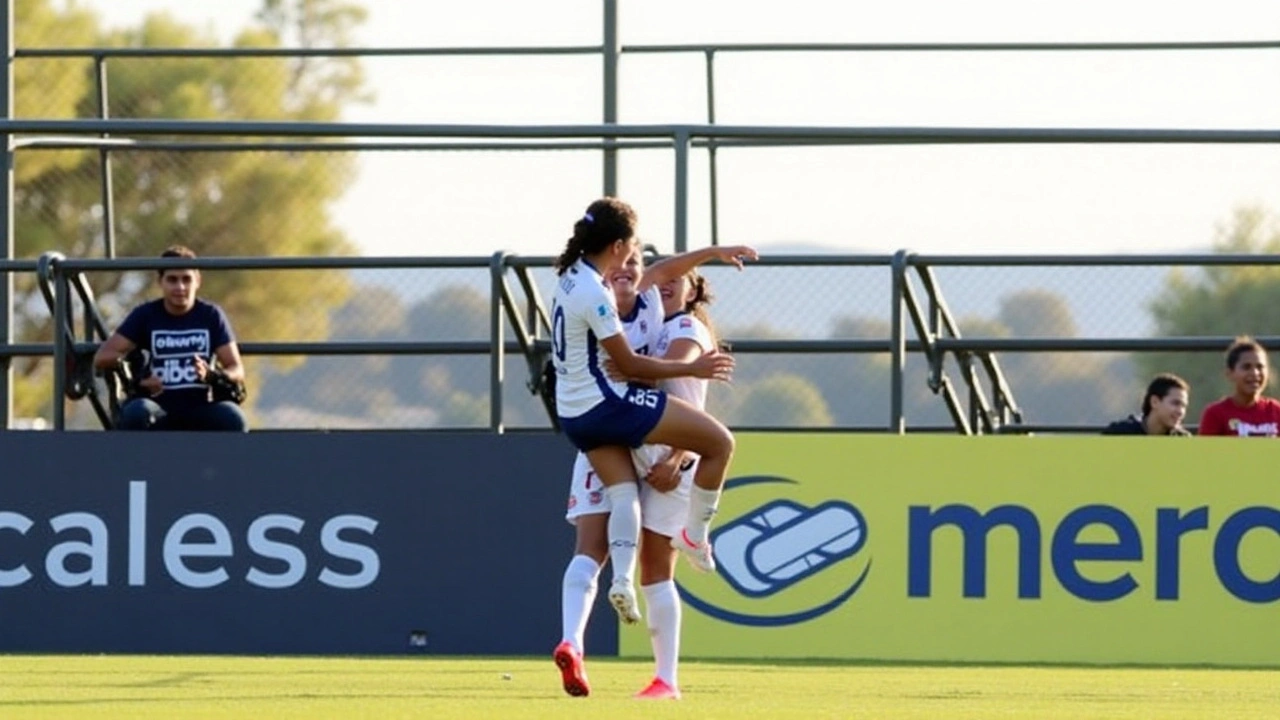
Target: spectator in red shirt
[{"x": 1246, "y": 412}]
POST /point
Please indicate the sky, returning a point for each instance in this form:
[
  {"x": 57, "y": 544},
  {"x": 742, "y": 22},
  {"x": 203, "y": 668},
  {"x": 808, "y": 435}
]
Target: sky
[{"x": 932, "y": 199}]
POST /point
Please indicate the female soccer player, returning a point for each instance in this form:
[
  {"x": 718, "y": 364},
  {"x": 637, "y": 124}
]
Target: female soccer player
[
  {"x": 605, "y": 418},
  {"x": 668, "y": 478}
]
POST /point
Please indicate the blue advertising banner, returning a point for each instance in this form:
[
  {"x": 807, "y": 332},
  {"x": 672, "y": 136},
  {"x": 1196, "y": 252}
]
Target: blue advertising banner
[{"x": 370, "y": 542}]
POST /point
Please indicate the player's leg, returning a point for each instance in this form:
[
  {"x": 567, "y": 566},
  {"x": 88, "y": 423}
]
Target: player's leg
[
  {"x": 684, "y": 426},
  {"x": 578, "y": 589},
  {"x": 663, "y": 612},
  {"x": 589, "y": 513},
  {"x": 664, "y": 514},
  {"x": 612, "y": 464}
]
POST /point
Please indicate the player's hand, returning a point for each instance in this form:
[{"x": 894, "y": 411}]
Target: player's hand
[
  {"x": 202, "y": 368},
  {"x": 713, "y": 366},
  {"x": 611, "y": 369},
  {"x": 664, "y": 476},
  {"x": 736, "y": 255},
  {"x": 152, "y": 384}
]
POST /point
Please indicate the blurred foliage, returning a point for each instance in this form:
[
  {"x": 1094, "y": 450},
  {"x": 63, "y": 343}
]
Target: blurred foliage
[
  {"x": 218, "y": 203},
  {"x": 1219, "y": 301}
]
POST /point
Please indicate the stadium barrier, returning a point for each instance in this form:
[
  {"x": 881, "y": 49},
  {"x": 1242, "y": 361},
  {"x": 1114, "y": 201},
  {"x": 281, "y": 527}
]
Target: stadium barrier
[
  {"x": 845, "y": 546},
  {"x": 289, "y": 542},
  {"x": 1026, "y": 550}
]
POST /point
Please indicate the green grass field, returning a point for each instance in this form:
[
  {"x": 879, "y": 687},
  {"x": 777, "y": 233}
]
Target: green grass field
[{"x": 319, "y": 688}]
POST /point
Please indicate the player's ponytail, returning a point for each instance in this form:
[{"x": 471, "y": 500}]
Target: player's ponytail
[{"x": 606, "y": 221}]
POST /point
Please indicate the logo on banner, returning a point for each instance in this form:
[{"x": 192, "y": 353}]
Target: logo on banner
[{"x": 797, "y": 561}]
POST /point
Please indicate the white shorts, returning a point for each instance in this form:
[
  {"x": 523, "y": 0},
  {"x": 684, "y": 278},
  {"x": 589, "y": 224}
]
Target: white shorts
[{"x": 663, "y": 513}]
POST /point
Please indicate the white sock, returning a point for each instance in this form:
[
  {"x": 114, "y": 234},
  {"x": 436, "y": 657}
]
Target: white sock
[
  {"x": 663, "y": 603},
  {"x": 624, "y": 528},
  {"x": 702, "y": 507},
  {"x": 577, "y": 593}
]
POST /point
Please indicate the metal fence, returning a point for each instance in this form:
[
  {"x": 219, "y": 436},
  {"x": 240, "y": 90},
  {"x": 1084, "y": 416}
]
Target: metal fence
[
  {"x": 922, "y": 366},
  {"x": 889, "y": 351}
]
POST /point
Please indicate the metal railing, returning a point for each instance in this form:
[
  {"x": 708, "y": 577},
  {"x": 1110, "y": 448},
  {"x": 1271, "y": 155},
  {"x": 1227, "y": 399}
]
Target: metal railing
[
  {"x": 609, "y": 51},
  {"x": 935, "y": 332},
  {"x": 979, "y": 401}
]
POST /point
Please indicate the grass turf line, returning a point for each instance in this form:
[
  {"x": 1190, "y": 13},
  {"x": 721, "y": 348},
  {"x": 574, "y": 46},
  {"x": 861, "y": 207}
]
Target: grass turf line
[{"x": 219, "y": 687}]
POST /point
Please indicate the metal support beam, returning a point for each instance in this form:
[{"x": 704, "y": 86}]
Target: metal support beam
[
  {"x": 711, "y": 148},
  {"x": 898, "y": 350},
  {"x": 497, "y": 349},
  {"x": 682, "y": 192},
  {"x": 104, "y": 161},
  {"x": 6, "y": 217},
  {"x": 610, "y": 51}
]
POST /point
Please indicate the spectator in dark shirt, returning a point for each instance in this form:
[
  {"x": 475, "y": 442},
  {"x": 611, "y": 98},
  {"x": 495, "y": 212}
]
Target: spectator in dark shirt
[
  {"x": 1163, "y": 407},
  {"x": 179, "y": 336}
]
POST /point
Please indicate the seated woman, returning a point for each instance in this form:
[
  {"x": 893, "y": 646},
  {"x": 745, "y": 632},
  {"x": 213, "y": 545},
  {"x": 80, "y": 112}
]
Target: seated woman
[{"x": 1163, "y": 407}]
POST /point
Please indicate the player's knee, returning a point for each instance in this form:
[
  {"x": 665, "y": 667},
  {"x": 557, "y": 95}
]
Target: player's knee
[{"x": 722, "y": 443}]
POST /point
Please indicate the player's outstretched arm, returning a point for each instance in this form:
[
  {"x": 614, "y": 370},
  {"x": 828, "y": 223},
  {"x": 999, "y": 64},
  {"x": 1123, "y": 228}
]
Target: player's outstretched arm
[{"x": 674, "y": 266}]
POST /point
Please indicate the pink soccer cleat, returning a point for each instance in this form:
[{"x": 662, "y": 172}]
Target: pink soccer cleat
[
  {"x": 572, "y": 672},
  {"x": 698, "y": 554},
  {"x": 658, "y": 690}
]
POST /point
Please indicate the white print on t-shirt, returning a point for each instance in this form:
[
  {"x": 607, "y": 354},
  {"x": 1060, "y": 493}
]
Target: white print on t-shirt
[
  {"x": 173, "y": 356},
  {"x": 1244, "y": 429}
]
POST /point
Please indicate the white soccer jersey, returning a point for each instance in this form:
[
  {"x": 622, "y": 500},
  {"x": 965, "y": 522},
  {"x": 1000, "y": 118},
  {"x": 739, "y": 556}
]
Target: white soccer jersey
[
  {"x": 643, "y": 325},
  {"x": 583, "y": 313},
  {"x": 685, "y": 326}
]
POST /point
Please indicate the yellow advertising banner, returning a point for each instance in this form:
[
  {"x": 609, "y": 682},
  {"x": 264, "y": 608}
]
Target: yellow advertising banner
[{"x": 992, "y": 549}]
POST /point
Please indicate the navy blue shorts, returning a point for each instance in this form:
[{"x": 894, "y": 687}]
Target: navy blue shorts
[{"x": 626, "y": 421}]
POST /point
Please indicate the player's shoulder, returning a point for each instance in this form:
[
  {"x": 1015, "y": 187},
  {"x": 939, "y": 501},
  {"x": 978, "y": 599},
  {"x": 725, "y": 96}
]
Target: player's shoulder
[
  {"x": 684, "y": 326},
  {"x": 652, "y": 299},
  {"x": 583, "y": 291},
  {"x": 687, "y": 325}
]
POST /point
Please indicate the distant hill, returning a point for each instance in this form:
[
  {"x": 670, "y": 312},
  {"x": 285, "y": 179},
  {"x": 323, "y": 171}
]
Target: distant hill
[{"x": 805, "y": 301}]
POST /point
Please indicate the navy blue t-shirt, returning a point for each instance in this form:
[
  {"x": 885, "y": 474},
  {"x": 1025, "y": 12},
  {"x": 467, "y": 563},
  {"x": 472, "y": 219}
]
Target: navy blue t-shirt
[{"x": 174, "y": 341}]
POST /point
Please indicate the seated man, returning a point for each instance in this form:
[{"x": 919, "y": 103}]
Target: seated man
[
  {"x": 180, "y": 336},
  {"x": 1163, "y": 408}
]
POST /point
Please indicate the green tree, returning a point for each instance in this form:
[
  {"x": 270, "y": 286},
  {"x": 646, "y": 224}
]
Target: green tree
[
  {"x": 1219, "y": 301},
  {"x": 219, "y": 203}
]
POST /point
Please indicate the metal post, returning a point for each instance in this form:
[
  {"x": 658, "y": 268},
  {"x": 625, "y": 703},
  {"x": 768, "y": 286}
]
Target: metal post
[
  {"x": 610, "y": 50},
  {"x": 104, "y": 158},
  {"x": 497, "y": 348},
  {"x": 682, "y": 191},
  {"x": 711, "y": 148},
  {"x": 6, "y": 218},
  {"x": 62, "y": 349},
  {"x": 898, "y": 351}
]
